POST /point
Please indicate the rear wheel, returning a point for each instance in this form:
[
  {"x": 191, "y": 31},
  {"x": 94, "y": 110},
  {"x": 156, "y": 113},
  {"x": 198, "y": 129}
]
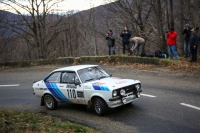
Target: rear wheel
[
  {"x": 50, "y": 102},
  {"x": 99, "y": 106}
]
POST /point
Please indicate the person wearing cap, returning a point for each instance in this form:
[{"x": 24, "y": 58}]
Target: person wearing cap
[
  {"x": 110, "y": 42},
  {"x": 126, "y": 34},
  {"x": 186, "y": 32},
  {"x": 171, "y": 42},
  {"x": 138, "y": 43},
  {"x": 193, "y": 42}
]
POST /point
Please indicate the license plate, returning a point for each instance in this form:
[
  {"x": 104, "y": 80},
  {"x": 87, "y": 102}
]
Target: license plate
[{"x": 125, "y": 100}]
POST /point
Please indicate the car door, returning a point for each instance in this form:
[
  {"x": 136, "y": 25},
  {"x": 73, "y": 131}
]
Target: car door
[
  {"x": 52, "y": 83},
  {"x": 70, "y": 86}
]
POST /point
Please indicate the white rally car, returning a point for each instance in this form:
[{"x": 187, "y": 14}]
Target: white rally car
[{"x": 88, "y": 85}]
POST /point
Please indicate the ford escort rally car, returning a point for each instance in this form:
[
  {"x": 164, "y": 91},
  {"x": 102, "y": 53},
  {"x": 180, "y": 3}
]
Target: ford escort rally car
[{"x": 88, "y": 85}]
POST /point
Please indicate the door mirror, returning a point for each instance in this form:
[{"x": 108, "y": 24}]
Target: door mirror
[
  {"x": 77, "y": 84},
  {"x": 76, "y": 81}
]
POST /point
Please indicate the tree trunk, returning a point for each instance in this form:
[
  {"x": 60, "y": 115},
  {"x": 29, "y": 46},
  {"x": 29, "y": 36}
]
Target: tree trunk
[
  {"x": 171, "y": 13},
  {"x": 160, "y": 25},
  {"x": 167, "y": 15},
  {"x": 181, "y": 37}
]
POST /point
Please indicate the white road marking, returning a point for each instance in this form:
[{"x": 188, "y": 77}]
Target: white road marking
[
  {"x": 147, "y": 95},
  {"x": 191, "y": 106},
  {"x": 9, "y": 85}
]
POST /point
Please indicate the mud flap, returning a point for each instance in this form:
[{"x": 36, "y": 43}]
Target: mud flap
[
  {"x": 42, "y": 101},
  {"x": 89, "y": 106}
]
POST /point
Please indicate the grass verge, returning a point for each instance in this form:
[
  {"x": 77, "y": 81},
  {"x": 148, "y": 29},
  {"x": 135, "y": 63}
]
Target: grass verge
[{"x": 24, "y": 122}]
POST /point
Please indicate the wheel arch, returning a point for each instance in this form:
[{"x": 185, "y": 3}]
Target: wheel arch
[
  {"x": 97, "y": 96},
  {"x": 42, "y": 103}
]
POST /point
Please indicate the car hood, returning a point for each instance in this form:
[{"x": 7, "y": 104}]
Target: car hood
[{"x": 113, "y": 83}]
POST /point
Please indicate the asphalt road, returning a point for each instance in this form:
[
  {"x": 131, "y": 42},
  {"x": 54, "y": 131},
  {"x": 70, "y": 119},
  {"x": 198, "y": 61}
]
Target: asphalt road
[{"x": 169, "y": 102}]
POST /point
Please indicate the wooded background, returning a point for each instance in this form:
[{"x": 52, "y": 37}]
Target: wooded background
[{"x": 45, "y": 34}]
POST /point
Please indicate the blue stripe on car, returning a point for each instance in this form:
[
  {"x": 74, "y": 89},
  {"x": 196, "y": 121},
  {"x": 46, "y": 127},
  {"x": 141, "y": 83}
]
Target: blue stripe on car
[
  {"x": 53, "y": 88},
  {"x": 100, "y": 87}
]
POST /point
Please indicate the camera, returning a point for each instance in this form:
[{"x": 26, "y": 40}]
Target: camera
[{"x": 167, "y": 31}]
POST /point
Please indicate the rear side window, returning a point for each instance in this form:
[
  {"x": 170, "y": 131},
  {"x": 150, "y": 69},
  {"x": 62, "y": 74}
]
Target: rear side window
[
  {"x": 69, "y": 77},
  {"x": 55, "y": 77}
]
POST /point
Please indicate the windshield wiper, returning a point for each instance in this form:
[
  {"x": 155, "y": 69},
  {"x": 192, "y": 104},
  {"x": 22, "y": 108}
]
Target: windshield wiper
[
  {"x": 88, "y": 80},
  {"x": 103, "y": 77}
]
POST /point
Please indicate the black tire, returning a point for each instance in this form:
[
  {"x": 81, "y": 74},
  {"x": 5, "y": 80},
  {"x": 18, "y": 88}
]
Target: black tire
[
  {"x": 99, "y": 106},
  {"x": 50, "y": 102}
]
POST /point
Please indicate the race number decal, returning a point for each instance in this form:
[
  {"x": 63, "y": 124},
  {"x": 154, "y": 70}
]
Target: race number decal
[{"x": 71, "y": 93}]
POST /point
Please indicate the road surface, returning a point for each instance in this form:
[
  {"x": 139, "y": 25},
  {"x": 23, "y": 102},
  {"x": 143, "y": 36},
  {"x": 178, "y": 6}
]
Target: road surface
[{"x": 170, "y": 101}]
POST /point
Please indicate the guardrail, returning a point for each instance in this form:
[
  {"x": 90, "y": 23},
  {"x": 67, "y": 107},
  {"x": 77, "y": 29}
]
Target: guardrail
[{"x": 88, "y": 60}]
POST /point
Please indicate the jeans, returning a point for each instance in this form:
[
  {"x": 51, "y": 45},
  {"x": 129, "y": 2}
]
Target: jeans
[
  {"x": 187, "y": 48},
  {"x": 139, "y": 49},
  {"x": 129, "y": 49},
  {"x": 111, "y": 48},
  {"x": 172, "y": 50}
]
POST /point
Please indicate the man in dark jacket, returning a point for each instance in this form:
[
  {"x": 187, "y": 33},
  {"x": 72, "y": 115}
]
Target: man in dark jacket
[
  {"x": 187, "y": 32},
  {"x": 126, "y": 34},
  {"x": 193, "y": 42},
  {"x": 110, "y": 42}
]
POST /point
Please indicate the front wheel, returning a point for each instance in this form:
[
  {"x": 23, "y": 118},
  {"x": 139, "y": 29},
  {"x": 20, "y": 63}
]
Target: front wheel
[
  {"x": 99, "y": 106},
  {"x": 50, "y": 102}
]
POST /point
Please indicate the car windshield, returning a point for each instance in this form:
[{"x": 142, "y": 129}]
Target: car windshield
[{"x": 92, "y": 73}]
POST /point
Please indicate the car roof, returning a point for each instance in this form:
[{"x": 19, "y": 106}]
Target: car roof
[{"x": 74, "y": 68}]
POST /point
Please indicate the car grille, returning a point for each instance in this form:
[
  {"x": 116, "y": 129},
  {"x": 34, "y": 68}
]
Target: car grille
[{"x": 128, "y": 89}]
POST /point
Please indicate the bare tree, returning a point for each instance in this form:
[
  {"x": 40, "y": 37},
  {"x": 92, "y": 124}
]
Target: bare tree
[
  {"x": 171, "y": 13},
  {"x": 37, "y": 28}
]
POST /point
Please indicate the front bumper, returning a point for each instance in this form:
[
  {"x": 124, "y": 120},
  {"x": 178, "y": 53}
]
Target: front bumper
[{"x": 122, "y": 100}]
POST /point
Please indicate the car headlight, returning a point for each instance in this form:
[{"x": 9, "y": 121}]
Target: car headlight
[
  {"x": 114, "y": 93},
  {"x": 122, "y": 92},
  {"x": 137, "y": 86}
]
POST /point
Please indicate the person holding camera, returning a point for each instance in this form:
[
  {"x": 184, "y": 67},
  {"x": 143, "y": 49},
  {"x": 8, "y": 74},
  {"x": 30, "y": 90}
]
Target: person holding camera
[
  {"x": 187, "y": 33},
  {"x": 126, "y": 34},
  {"x": 110, "y": 42},
  {"x": 171, "y": 42},
  {"x": 193, "y": 42}
]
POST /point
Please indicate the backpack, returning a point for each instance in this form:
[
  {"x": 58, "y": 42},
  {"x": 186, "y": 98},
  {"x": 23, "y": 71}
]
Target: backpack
[
  {"x": 164, "y": 55},
  {"x": 158, "y": 53}
]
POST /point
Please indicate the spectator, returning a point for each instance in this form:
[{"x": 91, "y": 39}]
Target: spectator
[
  {"x": 126, "y": 34},
  {"x": 138, "y": 44},
  {"x": 110, "y": 42},
  {"x": 193, "y": 42},
  {"x": 187, "y": 32},
  {"x": 171, "y": 42}
]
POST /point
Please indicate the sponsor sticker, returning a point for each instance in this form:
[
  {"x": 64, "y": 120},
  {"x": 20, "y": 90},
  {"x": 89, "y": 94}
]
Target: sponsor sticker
[{"x": 121, "y": 82}]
